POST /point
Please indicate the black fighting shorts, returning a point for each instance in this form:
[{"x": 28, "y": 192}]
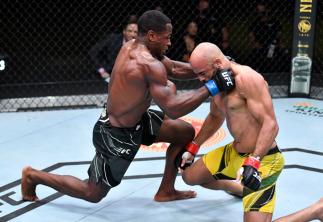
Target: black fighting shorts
[{"x": 117, "y": 147}]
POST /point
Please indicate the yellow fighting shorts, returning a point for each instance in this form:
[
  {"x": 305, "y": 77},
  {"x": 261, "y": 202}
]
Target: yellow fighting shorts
[{"x": 224, "y": 162}]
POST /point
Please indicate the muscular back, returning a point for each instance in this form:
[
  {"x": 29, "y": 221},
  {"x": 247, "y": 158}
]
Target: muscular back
[{"x": 129, "y": 95}]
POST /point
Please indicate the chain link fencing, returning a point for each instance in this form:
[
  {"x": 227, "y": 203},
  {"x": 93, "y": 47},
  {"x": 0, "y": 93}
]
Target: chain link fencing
[{"x": 45, "y": 45}]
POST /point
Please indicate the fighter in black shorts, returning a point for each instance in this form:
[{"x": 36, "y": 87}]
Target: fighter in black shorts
[
  {"x": 140, "y": 75},
  {"x": 116, "y": 147}
]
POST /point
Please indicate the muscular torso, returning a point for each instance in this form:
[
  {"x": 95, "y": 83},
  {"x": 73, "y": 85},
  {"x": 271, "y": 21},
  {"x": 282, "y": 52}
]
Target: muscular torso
[
  {"x": 128, "y": 93},
  {"x": 242, "y": 125}
]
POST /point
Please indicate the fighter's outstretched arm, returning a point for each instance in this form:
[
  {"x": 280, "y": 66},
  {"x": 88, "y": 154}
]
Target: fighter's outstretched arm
[
  {"x": 165, "y": 95},
  {"x": 211, "y": 124},
  {"x": 178, "y": 70}
]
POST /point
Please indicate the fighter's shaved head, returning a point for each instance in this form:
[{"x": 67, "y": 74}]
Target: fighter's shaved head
[{"x": 204, "y": 54}]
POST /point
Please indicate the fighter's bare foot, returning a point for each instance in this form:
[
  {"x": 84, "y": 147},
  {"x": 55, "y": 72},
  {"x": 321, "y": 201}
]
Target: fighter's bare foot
[
  {"x": 28, "y": 188},
  {"x": 174, "y": 195}
]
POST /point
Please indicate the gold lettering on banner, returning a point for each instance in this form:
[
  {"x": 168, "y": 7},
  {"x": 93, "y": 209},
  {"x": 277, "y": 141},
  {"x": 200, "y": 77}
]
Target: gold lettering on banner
[{"x": 306, "y": 6}]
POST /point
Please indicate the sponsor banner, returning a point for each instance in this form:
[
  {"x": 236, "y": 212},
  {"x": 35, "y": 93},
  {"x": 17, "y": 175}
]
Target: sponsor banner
[{"x": 303, "y": 40}]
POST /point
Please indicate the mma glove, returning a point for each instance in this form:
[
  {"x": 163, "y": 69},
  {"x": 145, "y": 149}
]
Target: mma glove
[
  {"x": 187, "y": 155},
  {"x": 222, "y": 81},
  {"x": 250, "y": 175}
]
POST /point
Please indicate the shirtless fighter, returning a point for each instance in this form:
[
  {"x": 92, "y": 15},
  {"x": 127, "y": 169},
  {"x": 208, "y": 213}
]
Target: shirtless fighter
[
  {"x": 253, "y": 155},
  {"x": 140, "y": 75}
]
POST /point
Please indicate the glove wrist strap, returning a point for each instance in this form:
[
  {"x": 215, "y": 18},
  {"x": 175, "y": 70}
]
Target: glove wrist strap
[
  {"x": 212, "y": 87},
  {"x": 193, "y": 148},
  {"x": 252, "y": 161}
]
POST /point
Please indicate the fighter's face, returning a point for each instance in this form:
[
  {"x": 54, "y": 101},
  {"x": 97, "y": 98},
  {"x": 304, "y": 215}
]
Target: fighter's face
[
  {"x": 203, "y": 69},
  {"x": 160, "y": 42}
]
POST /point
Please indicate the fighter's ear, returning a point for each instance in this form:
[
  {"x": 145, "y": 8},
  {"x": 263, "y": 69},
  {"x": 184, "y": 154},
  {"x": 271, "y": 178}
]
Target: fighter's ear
[
  {"x": 217, "y": 63},
  {"x": 151, "y": 36}
]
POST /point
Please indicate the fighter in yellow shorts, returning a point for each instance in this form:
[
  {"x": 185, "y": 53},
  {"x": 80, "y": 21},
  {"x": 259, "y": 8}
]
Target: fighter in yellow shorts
[
  {"x": 253, "y": 157},
  {"x": 224, "y": 162}
]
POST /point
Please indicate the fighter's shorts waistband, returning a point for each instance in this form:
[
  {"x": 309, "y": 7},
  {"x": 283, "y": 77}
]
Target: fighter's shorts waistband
[
  {"x": 270, "y": 152},
  {"x": 274, "y": 150},
  {"x": 104, "y": 118}
]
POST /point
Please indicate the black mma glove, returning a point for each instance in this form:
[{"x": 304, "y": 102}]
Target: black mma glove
[
  {"x": 222, "y": 81},
  {"x": 250, "y": 174},
  {"x": 185, "y": 158}
]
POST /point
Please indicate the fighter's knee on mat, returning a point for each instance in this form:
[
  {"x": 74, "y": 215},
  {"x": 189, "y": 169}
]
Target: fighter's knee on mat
[
  {"x": 94, "y": 194},
  {"x": 94, "y": 197},
  {"x": 188, "y": 178}
]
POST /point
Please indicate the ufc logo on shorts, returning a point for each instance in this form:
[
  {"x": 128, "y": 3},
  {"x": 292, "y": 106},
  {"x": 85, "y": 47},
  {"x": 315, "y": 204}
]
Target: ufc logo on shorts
[
  {"x": 227, "y": 78},
  {"x": 256, "y": 175},
  {"x": 126, "y": 151}
]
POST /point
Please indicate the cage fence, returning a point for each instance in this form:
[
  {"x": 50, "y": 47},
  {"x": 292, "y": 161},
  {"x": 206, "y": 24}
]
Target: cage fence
[{"x": 45, "y": 45}]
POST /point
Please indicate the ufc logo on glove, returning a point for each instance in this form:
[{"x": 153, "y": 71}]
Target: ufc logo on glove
[{"x": 226, "y": 76}]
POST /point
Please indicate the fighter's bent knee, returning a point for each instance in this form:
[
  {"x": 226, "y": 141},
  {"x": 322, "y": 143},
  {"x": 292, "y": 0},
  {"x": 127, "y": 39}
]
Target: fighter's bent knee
[
  {"x": 189, "y": 132},
  {"x": 187, "y": 178},
  {"x": 94, "y": 196}
]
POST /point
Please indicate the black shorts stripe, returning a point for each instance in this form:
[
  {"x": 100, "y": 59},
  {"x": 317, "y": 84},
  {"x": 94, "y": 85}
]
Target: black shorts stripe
[{"x": 264, "y": 198}]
